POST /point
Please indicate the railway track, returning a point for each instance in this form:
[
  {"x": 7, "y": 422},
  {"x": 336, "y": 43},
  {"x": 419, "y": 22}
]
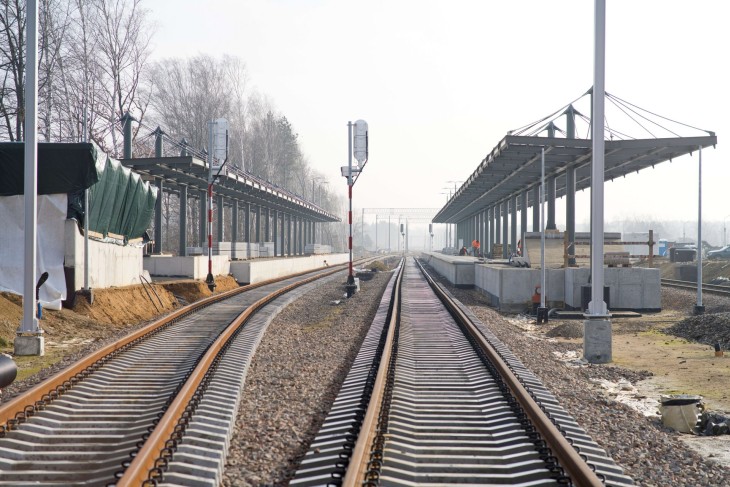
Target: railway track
[
  {"x": 692, "y": 286},
  {"x": 434, "y": 398},
  {"x": 162, "y": 401}
]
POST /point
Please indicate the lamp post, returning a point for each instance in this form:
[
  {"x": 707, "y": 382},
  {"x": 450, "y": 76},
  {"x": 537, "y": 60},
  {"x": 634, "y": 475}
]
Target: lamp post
[
  {"x": 360, "y": 141},
  {"x": 699, "y": 307},
  {"x": 724, "y": 230},
  {"x": 314, "y": 194}
]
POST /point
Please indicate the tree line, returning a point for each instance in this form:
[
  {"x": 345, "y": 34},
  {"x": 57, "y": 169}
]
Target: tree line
[{"x": 94, "y": 66}]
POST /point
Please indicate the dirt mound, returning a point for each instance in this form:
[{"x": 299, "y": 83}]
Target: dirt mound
[
  {"x": 708, "y": 329},
  {"x": 191, "y": 291},
  {"x": 114, "y": 309},
  {"x": 129, "y": 304},
  {"x": 570, "y": 329}
]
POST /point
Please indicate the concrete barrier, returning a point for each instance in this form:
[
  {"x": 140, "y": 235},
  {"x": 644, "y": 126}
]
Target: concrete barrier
[
  {"x": 250, "y": 272},
  {"x": 193, "y": 266},
  {"x": 458, "y": 270},
  {"x": 109, "y": 264},
  {"x": 510, "y": 289}
]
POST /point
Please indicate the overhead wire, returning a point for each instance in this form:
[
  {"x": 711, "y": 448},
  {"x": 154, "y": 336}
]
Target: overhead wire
[{"x": 657, "y": 115}]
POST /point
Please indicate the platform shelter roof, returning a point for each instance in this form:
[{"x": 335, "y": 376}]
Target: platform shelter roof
[
  {"x": 514, "y": 166},
  {"x": 636, "y": 139},
  {"x": 232, "y": 183}
]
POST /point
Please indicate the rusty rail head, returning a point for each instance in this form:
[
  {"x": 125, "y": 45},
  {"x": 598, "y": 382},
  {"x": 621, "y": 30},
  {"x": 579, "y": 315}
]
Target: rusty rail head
[
  {"x": 43, "y": 392},
  {"x": 146, "y": 459},
  {"x": 361, "y": 452},
  {"x": 577, "y": 469}
]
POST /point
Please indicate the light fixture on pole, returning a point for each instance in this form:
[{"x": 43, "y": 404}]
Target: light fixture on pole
[
  {"x": 360, "y": 151},
  {"x": 699, "y": 307}
]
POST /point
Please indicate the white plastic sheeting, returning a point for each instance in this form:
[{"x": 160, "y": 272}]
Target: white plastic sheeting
[{"x": 50, "y": 246}]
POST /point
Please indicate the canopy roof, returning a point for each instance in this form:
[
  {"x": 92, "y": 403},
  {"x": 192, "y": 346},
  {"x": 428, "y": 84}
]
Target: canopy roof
[
  {"x": 62, "y": 168},
  {"x": 514, "y": 166},
  {"x": 233, "y": 183}
]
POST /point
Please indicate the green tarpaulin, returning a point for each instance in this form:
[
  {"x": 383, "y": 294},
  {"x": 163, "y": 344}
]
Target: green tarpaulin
[{"x": 120, "y": 203}]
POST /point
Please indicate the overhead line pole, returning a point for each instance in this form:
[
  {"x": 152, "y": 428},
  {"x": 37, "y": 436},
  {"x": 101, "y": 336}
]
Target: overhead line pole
[
  {"x": 597, "y": 326},
  {"x": 29, "y": 339}
]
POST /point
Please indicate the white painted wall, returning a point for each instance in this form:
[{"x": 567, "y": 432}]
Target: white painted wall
[{"x": 109, "y": 264}]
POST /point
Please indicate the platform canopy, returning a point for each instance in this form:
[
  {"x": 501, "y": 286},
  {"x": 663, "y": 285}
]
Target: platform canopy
[
  {"x": 514, "y": 165},
  {"x": 233, "y": 183}
]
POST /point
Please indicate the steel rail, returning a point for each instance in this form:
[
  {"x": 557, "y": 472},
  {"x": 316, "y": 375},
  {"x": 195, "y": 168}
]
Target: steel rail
[
  {"x": 692, "y": 286},
  {"x": 574, "y": 466},
  {"x": 146, "y": 462},
  {"x": 16, "y": 410},
  {"x": 355, "y": 474}
]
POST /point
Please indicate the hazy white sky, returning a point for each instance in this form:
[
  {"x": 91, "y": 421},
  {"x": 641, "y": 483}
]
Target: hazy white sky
[{"x": 441, "y": 83}]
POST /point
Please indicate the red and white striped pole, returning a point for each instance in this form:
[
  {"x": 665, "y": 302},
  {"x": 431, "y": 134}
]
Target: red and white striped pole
[
  {"x": 209, "y": 279},
  {"x": 350, "y": 276}
]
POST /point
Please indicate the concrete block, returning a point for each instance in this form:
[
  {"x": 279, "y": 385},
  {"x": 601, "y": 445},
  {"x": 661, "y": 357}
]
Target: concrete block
[
  {"x": 597, "y": 341},
  {"x": 25, "y": 345},
  {"x": 632, "y": 275},
  {"x": 629, "y": 296}
]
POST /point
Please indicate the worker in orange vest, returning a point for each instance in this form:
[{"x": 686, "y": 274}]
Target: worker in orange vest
[{"x": 475, "y": 246}]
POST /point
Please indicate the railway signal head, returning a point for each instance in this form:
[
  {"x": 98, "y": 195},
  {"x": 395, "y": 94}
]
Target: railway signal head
[{"x": 360, "y": 142}]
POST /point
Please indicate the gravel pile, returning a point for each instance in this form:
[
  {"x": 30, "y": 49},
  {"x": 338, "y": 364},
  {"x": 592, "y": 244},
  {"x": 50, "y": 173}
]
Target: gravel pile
[{"x": 707, "y": 328}]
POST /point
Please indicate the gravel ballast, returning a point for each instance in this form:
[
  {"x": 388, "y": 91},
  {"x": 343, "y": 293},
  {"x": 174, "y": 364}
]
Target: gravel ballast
[
  {"x": 295, "y": 376},
  {"x": 308, "y": 348}
]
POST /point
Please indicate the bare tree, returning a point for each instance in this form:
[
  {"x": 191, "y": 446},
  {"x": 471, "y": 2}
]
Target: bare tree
[
  {"x": 12, "y": 67},
  {"x": 122, "y": 36}
]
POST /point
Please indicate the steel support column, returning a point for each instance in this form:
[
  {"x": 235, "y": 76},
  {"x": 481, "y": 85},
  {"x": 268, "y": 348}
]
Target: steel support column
[
  {"x": 505, "y": 236},
  {"x": 157, "y": 248},
  {"x": 513, "y": 224},
  {"x": 258, "y": 224},
  {"x": 277, "y": 245},
  {"x": 536, "y": 208},
  {"x": 202, "y": 229},
  {"x": 221, "y": 222},
  {"x": 182, "y": 249},
  {"x": 551, "y": 184},
  {"x": 247, "y": 229},
  {"x": 523, "y": 217},
  {"x": 234, "y": 227}
]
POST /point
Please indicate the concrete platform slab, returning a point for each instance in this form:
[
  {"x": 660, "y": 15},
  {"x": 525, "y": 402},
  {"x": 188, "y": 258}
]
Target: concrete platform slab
[
  {"x": 457, "y": 269},
  {"x": 194, "y": 266},
  {"x": 253, "y": 271}
]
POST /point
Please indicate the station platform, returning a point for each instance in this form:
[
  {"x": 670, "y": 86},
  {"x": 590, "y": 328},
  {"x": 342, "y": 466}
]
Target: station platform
[
  {"x": 510, "y": 289},
  {"x": 244, "y": 271}
]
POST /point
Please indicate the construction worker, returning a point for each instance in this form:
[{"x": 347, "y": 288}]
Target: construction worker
[{"x": 536, "y": 299}]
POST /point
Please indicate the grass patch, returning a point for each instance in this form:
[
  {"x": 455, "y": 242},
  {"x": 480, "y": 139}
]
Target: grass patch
[{"x": 30, "y": 365}]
